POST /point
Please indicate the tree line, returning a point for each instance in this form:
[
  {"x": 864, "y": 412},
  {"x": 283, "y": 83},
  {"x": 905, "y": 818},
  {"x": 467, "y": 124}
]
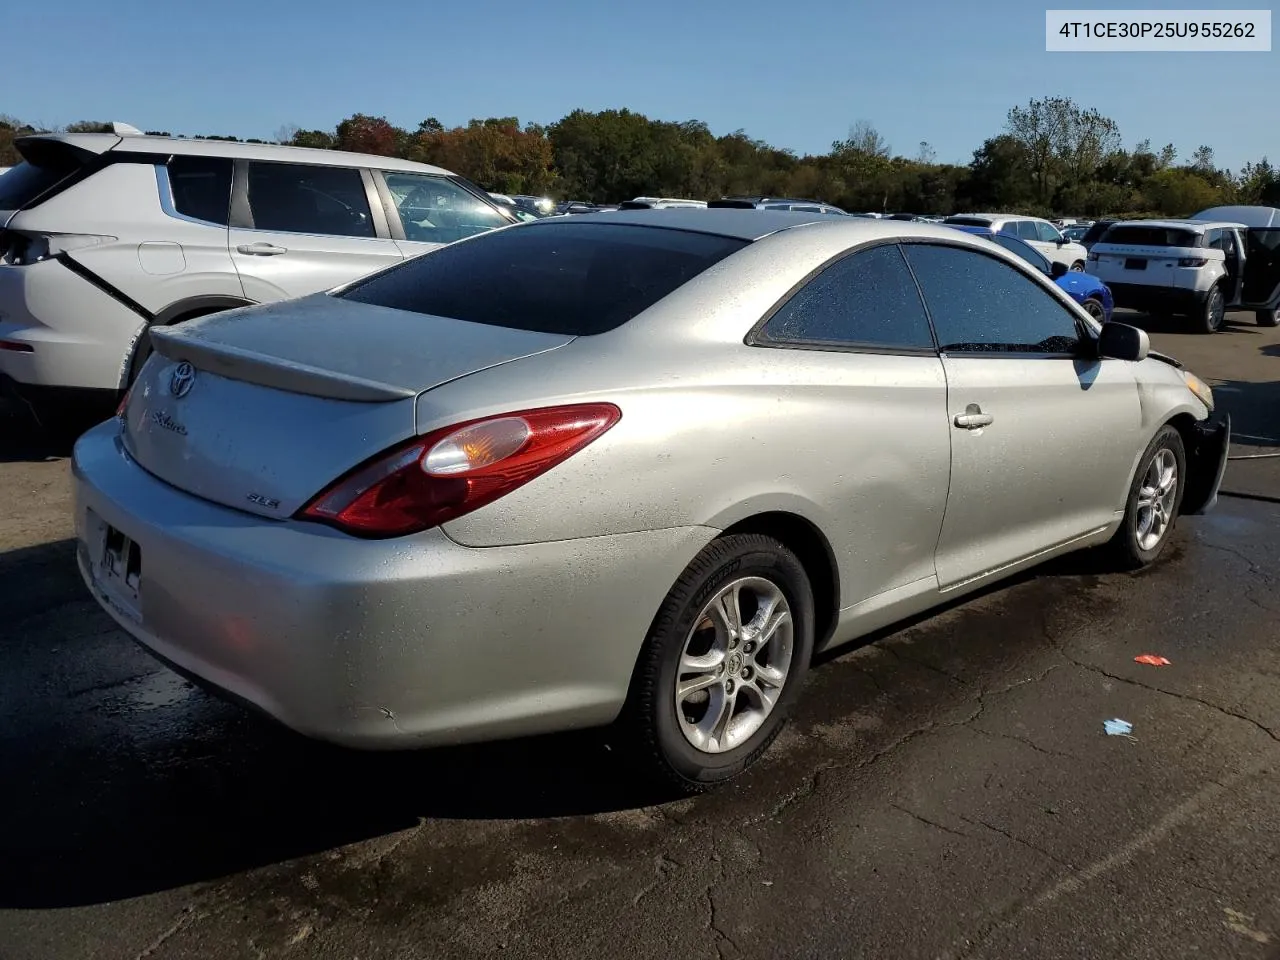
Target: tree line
[{"x": 1053, "y": 156}]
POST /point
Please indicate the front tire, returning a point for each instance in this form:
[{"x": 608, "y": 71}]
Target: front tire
[
  {"x": 1155, "y": 497},
  {"x": 1267, "y": 318},
  {"x": 1212, "y": 314},
  {"x": 723, "y": 662}
]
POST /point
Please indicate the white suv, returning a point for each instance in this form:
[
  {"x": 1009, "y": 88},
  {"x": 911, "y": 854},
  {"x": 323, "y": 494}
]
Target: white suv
[
  {"x": 1196, "y": 268},
  {"x": 104, "y": 235},
  {"x": 1041, "y": 234}
]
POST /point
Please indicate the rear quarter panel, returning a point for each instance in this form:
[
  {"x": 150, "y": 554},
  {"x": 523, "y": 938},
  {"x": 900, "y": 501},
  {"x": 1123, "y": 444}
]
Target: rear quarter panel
[{"x": 155, "y": 259}]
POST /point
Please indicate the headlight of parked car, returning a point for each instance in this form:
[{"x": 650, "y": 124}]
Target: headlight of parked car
[{"x": 1199, "y": 388}]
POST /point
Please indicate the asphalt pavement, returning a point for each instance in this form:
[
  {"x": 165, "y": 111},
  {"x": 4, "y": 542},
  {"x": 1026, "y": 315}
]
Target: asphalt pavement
[{"x": 947, "y": 790}]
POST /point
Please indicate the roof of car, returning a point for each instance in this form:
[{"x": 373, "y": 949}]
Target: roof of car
[
  {"x": 993, "y": 216},
  {"x": 755, "y": 224},
  {"x": 1248, "y": 216},
  {"x": 102, "y": 142},
  {"x": 1196, "y": 226}
]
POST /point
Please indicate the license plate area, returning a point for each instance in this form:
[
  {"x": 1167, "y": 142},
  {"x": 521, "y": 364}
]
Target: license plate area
[
  {"x": 1135, "y": 263},
  {"x": 117, "y": 562}
]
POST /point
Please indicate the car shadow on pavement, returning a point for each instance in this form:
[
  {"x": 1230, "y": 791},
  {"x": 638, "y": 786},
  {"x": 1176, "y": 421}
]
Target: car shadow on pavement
[
  {"x": 1254, "y": 409},
  {"x": 121, "y": 779},
  {"x": 23, "y": 441},
  {"x": 1183, "y": 325}
]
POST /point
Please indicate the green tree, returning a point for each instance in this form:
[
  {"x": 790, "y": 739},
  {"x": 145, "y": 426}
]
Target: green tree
[{"x": 1180, "y": 192}]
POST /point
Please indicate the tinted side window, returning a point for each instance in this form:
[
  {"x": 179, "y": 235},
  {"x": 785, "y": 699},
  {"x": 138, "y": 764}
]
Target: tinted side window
[
  {"x": 300, "y": 199},
  {"x": 201, "y": 187},
  {"x": 981, "y": 305},
  {"x": 1027, "y": 230},
  {"x": 867, "y": 299},
  {"x": 437, "y": 210}
]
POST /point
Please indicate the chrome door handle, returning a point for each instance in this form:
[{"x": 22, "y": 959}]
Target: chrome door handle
[
  {"x": 973, "y": 418},
  {"x": 261, "y": 249}
]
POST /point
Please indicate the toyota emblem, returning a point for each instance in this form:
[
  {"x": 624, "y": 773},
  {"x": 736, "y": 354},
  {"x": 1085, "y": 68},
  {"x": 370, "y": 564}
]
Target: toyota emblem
[{"x": 182, "y": 379}]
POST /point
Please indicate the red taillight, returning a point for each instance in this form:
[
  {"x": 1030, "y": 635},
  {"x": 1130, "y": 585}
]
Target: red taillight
[
  {"x": 450, "y": 472},
  {"x": 1192, "y": 261},
  {"x": 16, "y": 346}
]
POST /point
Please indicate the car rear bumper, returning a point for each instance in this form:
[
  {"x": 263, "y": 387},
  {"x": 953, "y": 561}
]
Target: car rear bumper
[
  {"x": 1136, "y": 296},
  {"x": 374, "y": 644},
  {"x": 62, "y": 330}
]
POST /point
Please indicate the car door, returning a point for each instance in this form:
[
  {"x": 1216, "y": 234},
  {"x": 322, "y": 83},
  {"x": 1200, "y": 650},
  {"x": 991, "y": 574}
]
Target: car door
[
  {"x": 877, "y": 462},
  {"x": 1261, "y": 266},
  {"x": 426, "y": 211},
  {"x": 1228, "y": 241},
  {"x": 1043, "y": 434},
  {"x": 299, "y": 228},
  {"x": 1045, "y": 237}
]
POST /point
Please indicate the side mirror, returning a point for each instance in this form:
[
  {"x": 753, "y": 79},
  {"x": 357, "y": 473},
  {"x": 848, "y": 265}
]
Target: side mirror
[
  {"x": 1119, "y": 341},
  {"x": 1058, "y": 269}
]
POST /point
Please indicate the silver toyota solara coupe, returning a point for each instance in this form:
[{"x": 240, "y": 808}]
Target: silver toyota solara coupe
[{"x": 633, "y": 467}]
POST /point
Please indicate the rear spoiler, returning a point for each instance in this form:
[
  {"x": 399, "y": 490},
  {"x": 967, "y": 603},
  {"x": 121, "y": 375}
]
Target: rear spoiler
[{"x": 238, "y": 364}]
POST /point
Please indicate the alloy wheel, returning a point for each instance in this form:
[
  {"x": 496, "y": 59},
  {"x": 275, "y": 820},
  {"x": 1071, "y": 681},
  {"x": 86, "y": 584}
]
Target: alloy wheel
[
  {"x": 1156, "y": 498},
  {"x": 734, "y": 664},
  {"x": 1217, "y": 310}
]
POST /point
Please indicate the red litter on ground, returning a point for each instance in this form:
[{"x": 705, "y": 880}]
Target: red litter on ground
[{"x": 1152, "y": 660}]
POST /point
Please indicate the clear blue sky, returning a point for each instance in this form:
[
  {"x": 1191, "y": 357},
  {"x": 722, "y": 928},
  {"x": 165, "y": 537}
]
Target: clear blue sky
[{"x": 796, "y": 74}]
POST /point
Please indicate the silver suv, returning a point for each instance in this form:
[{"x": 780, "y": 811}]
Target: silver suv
[{"x": 104, "y": 235}]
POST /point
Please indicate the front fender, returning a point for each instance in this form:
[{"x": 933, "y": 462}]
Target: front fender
[{"x": 1206, "y": 464}]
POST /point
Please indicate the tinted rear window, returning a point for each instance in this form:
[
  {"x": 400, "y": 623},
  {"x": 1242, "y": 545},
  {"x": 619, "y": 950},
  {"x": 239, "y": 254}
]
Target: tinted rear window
[
  {"x": 1140, "y": 236},
  {"x": 967, "y": 222},
  {"x": 552, "y": 277},
  {"x": 26, "y": 182}
]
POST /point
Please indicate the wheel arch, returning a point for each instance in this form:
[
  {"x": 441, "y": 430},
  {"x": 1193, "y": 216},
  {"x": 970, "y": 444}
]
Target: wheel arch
[
  {"x": 803, "y": 538},
  {"x": 191, "y": 307},
  {"x": 187, "y": 308}
]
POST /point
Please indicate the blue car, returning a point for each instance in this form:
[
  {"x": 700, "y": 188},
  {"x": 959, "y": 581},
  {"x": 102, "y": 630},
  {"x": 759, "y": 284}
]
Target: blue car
[{"x": 1085, "y": 289}]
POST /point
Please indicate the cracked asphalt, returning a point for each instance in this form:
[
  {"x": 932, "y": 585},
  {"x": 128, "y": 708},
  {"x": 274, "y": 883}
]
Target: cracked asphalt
[{"x": 945, "y": 791}]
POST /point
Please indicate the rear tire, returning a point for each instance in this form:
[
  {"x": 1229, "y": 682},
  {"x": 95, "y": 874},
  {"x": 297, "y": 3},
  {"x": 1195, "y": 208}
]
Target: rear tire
[
  {"x": 1212, "y": 313},
  {"x": 1095, "y": 309},
  {"x": 707, "y": 697},
  {"x": 1155, "y": 497},
  {"x": 1267, "y": 318}
]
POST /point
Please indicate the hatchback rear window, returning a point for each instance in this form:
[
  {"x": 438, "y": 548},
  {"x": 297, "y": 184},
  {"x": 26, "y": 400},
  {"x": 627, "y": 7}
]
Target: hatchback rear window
[
  {"x": 551, "y": 277},
  {"x": 27, "y": 181},
  {"x": 967, "y": 221},
  {"x": 1142, "y": 236}
]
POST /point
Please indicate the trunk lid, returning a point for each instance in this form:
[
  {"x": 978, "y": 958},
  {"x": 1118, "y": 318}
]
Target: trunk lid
[{"x": 260, "y": 408}]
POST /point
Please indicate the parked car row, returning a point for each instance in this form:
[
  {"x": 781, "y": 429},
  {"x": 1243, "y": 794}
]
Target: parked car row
[{"x": 1223, "y": 258}]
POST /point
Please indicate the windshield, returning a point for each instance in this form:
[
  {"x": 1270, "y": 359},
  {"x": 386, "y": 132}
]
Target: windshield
[{"x": 555, "y": 276}]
